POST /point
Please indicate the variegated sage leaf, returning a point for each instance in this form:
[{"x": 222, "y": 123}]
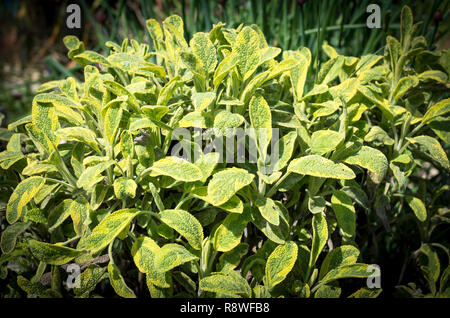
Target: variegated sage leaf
[
  {"x": 318, "y": 166},
  {"x": 93, "y": 175},
  {"x": 432, "y": 147},
  {"x": 323, "y": 141},
  {"x": 280, "y": 263},
  {"x": 118, "y": 283},
  {"x": 144, "y": 251},
  {"x": 226, "y": 183},
  {"x": 228, "y": 234},
  {"x": 22, "y": 194},
  {"x": 186, "y": 224},
  {"x": 52, "y": 253},
  {"x": 231, "y": 283},
  {"x": 172, "y": 255},
  {"x": 371, "y": 159},
  {"x": 345, "y": 212},
  {"x": 261, "y": 120},
  {"x": 320, "y": 237},
  {"x": 341, "y": 255},
  {"x": 177, "y": 168},
  {"x": 89, "y": 279},
  {"x": 10, "y": 234},
  {"x": 124, "y": 188},
  {"x": 418, "y": 207},
  {"x": 107, "y": 230},
  {"x": 247, "y": 49}
]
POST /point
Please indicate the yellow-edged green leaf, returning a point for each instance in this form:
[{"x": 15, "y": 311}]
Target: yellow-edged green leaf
[
  {"x": 261, "y": 120},
  {"x": 107, "y": 230},
  {"x": 177, "y": 168},
  {"x": 418, "y": 207},
  {"x": 439, "y": 109},
  {"x": 342, "y": 255},
  {"x": 231, "y": 283},
  {"x": 280, "y": 263},
  {"x": 226, "y": 183},
  {"x": 124, "y": 188},
  {"x": 344, "y": 211},
  {"x": 22, "y": 194},
  {"x": 228, "y": 234},
  {"x": 269, "y": 210},
  {"x": 371, "y": 159},
  {"x": 93, "y": 175},
  {"x": 320, "y": 237},
  {"x": 323, "y": 141},
  {"x": 247, "y": 49},
  {"x": 118, "y": 283},
  {"x": 144, "y": 251},
  {"x": 10, "y": 234},
  {"x": 172, "y": 255},
  {"x": 52, "y": 253},
  {"x": 186, "y": 224},
  {"x": 89, "y": 278},
  {"x": 318, "y": 166},
  {"x": 433, "y": 148}
]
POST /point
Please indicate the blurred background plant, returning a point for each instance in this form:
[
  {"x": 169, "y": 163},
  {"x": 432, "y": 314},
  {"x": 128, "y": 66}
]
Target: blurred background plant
[{"x": 31, "y": 32}]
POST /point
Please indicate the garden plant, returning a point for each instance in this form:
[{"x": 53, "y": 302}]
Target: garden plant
[{"x": 128, "y": 178}]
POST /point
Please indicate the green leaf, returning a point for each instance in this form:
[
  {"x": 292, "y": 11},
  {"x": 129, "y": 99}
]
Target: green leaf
[
  {"x": 371, "y": 159},
  {"x": 172, "y": 255},
  {"x": 107, "y": 230},
  {"x": 340, "y": 256},
  {"x": 52, "y": 253},
  {"x": 92, "y": 175},
  {"x": 79, "y": 212},
  {"x": 247, "y": 49},
  {"x": 345, "y": 212},
  {"x": 93, "y": 57},
  {"x": 127, "y": 144},
  {"x": 261, "y": 120},
  {"x": 433, "y": 264},
  {"x": 124, "y": 188},
  {"x": 226, "y": 183},
  {"x": 326, "y": 291},
  {"x": 404, "y": 85},
  {"x": 113, "y": 116},
  {"x": 59, "y": 214},
  {"x": 439, "y": 109},
  {"x": 316, "y": 204},
  {"x": 366, "y": 292},
  {"x": 225, "y": 67},
  {"x": 228, "y": 234},
  {"x": 186, "y": 224},
  {"x": 406, "y": 26},
  {"x": 269, "y": 210},
  {"x": 118, "y": 283},
  {"x": 320, "y": 237},
  {"x": 433, "y": 148},
  {"x": 22, "y": 194},
  {"x": 280, "y": 263},
  {"x": 203, "y": 48},
  {"x": 418, "y": 207},
  {"x": 231, "y": 259},
  {"x": 80, "y": 134},
  {"x": 298, "y": 74},
  {"x": 380, "y": 102},
  {"x": 323, "y": 141},
  {"x": 203, "y": 100},
  {"x": 89, "y": 279},
  {"x": 10, "y": 234},
  {"x": 233, "y": 205},
  {"x": 231, "y": 283},
  {"x": 144, "y": 251},
  {"x": 356, "y": 270},
  {"x": 177, "y": 168},
  {"x": 318, "y": 166}
]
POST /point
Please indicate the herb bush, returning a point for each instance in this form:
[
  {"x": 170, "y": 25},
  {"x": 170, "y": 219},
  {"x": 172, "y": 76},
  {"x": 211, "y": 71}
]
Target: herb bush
[{"x": 91, "y": 181}]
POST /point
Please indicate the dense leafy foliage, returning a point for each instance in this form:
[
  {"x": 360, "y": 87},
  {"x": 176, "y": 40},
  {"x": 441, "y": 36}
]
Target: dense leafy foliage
[{"x": 92, "y": 177}]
